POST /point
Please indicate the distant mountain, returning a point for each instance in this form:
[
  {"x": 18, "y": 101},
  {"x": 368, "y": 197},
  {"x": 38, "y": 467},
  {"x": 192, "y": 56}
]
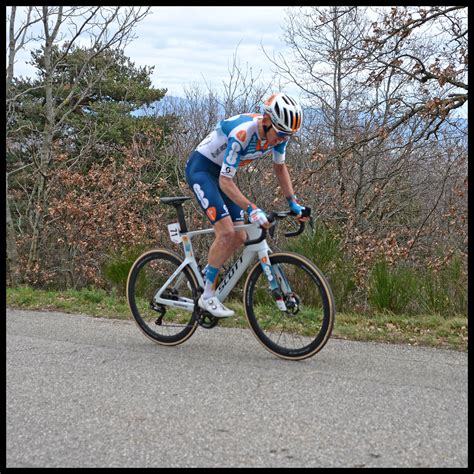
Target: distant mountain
[
  {"x": 170, "y": 104},
  {"x": 160, "y": 107}
]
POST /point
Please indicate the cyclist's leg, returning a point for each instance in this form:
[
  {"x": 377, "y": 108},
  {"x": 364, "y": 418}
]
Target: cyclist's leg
[
  {"x": 237, "y": 216},
  {"x": 203, "y": 176},
  {"x": 222, "y": 247}
]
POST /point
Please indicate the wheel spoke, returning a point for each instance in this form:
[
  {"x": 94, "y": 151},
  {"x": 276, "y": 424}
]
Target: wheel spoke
[
  {"x": 161, "y": 322},
  {"x": 301, "y": 330}
]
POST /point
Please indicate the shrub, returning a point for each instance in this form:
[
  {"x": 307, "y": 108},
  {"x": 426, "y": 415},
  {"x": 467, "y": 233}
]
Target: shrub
[
  {"x": 444, "y": 290},
  {"x": 324, "y": 248},
  {"x": 116, "y": 269},
  {"x": 401, "y": 289},
  {"x": 392, "y": 288}
]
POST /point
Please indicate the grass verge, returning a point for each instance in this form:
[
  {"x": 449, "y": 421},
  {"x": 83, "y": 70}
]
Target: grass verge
[{"x": 432, "y": 330}]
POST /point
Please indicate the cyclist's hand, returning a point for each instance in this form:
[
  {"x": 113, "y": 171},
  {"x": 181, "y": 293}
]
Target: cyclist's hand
[
  {"x": 257, "y": 216},
  {"x": 296, "y": 208}
]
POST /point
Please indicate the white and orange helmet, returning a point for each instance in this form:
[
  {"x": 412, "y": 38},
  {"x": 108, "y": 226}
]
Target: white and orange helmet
[{"x": 286, "y": 114}]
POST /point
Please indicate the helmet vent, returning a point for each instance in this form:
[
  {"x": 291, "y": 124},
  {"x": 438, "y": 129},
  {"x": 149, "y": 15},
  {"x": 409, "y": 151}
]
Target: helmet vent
[{"x": 277, "y": 109}]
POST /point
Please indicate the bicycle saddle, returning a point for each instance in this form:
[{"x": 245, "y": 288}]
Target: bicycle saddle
[{"x": 174, "y": 200}]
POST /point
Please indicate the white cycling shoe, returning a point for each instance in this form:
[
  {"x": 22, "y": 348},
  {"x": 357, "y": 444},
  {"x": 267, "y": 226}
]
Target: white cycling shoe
[{"x": 215, "y": 307}]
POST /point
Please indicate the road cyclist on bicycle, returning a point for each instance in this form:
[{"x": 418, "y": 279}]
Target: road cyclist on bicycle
[{"x": 235, "y": 142}]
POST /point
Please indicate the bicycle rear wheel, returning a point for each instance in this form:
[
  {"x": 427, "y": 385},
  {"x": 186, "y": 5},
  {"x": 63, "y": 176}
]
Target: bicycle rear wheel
[
  {"x": 164, "y": 324},
  {"x": 305, "y": 326}
]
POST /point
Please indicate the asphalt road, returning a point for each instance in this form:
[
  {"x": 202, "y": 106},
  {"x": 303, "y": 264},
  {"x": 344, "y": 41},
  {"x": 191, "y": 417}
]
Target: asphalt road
[{"x": 88, "y": 392}]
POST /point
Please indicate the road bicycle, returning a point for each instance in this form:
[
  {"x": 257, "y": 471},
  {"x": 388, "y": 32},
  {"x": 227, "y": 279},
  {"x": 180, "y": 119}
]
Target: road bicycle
[{"x": 287, "y": 300}]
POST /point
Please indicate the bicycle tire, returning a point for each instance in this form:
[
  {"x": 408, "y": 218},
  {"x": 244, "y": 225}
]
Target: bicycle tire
[
  {"x": 316, "y": 308},
  {"x": 149, "y": 273}
]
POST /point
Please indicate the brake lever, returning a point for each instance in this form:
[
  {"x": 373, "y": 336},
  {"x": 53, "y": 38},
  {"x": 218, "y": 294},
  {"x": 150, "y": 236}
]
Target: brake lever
[
  {"x": 273, "y": 216},
  {"x": 305, "y": 213}
]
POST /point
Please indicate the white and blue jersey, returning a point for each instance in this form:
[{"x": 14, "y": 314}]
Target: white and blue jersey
[{"x": 235, "y": 142}]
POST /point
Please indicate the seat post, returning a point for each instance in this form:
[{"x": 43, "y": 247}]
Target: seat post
[
  {"x": 181, "y": 219},
  {"x": 177, "y": 202}
]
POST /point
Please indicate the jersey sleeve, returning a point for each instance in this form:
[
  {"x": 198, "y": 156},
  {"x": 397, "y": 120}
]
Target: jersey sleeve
[
  {"x": 279, "y": 153},
  {"x": 237, "y": 141}
]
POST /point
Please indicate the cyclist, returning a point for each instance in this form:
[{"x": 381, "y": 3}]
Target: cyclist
[{"x": 235, "y": 142}]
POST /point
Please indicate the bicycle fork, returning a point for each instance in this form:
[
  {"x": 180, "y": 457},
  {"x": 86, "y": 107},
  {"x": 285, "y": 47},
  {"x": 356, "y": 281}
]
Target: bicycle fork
[{"x": 277, "y": 281}]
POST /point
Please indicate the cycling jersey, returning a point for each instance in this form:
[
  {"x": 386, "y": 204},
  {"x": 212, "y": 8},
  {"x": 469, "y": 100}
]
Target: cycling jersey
[{"x": 235, "y": 142}]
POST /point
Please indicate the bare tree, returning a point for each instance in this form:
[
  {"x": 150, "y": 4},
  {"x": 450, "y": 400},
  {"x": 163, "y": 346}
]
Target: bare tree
[
  {"x": 19, "y": 37},
  {"x": 106, "y": 28},
  {"x": 427, "y": 45},
  {"x": 377, "y": 95},
  {"x": 320, "y": 64},
  {"x": 244, "y": 90}
]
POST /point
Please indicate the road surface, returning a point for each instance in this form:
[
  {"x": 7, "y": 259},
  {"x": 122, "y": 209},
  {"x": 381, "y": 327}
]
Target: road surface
[{"x": 89, "y": 392}]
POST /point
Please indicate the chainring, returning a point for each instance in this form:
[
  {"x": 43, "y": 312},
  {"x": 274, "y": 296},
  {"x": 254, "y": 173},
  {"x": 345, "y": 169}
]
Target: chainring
[{"x": 205, "y": 319}]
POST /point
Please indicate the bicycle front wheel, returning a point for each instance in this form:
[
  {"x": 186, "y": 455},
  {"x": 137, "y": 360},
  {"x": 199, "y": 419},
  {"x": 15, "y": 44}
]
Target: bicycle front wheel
[
  {"x": 301, "y": 327},
  {"x": 164, "y": 323}
]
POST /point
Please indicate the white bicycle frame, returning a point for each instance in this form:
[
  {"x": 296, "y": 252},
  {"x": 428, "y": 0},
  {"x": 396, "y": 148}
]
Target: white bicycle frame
[{"x": 250, "y": 252}]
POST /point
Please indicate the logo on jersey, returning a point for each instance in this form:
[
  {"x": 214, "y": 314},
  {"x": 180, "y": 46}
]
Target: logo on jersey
[
  {"x": 228, "y": 171},
  {"x": 242, "y": 135},
  {"x": 219, "y": 150},
  {"x": 200, "y": 195},
  {"x": 233, "y": 153},
  {"x": 211, "y": 213}
]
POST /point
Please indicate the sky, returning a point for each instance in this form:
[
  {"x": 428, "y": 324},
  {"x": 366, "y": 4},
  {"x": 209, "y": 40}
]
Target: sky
[
  {"x": 196, "y": 45},
  {"x": 191, "y": 46}
]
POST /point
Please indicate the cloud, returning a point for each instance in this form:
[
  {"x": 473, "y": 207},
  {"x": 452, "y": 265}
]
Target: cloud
[{"x": 187, "y": 44}]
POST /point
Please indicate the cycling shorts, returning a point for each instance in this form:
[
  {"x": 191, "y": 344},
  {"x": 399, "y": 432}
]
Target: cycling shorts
[{"x": 202, "y": 176}]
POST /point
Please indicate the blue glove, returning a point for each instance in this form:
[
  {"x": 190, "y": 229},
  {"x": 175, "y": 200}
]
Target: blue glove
[{"x": 294, "y": 206}]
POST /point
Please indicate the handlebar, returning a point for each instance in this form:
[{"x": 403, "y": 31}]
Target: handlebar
[{"x": 273, "y": 216}]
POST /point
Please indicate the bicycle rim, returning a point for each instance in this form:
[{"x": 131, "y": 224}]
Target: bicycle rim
[
  {"x": 304, "y": 328},
  {"x": 162, "y": 323}
]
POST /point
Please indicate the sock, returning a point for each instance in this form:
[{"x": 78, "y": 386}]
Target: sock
[{"x": 211, "y": 280}]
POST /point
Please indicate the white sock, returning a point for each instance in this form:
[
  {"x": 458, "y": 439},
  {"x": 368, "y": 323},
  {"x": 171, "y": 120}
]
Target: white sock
[{"x": 208, "y": 290}]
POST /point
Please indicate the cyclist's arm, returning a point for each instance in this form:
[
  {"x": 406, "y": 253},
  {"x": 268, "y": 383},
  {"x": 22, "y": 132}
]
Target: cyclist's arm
[
  {"x": 284, "y": 180},
  {"x": 283, "y": 176},
  {"x": 233, "y": 192}
]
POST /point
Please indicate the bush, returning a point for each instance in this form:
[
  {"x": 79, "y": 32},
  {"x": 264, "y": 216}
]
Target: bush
[
  {"x": 392, "y": 289},
  {"x": 324, "y": 248},
  {"x": 116, "y": 269},
  {"x": 401, "y": 289},
  {"x": 444, "y": 290}
]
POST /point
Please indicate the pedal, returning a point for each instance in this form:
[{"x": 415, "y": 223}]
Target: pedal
[{"x": 204, "y": 318}]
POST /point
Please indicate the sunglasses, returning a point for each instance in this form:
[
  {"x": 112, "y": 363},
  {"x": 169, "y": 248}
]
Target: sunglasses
[{"x": 280, "y": 133}]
